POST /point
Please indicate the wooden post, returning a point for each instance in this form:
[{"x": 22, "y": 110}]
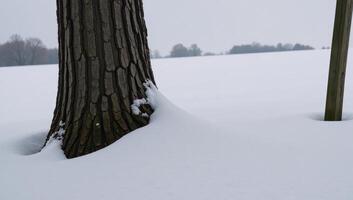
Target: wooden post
[{"x": 339, "y": 53}]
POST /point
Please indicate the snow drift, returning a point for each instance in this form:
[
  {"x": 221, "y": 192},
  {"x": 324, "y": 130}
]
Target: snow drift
[{"x": 245, "y": 127}]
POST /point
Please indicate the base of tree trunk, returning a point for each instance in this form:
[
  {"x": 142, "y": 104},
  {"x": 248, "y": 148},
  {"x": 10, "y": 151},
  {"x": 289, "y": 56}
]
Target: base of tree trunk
[{"x": 103, "y": 63}]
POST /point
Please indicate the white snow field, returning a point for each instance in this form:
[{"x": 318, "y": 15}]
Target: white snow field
[{"x": 243, "y": 127}]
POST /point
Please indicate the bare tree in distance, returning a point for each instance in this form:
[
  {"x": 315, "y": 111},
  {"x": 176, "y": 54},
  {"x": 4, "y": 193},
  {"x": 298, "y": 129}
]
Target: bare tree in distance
[
  {"x": 155, "y": 54},
  {"x": 179, "y": 50},
  {"x": 36, "y": 51},
  {"x": 31, "y": 51},
  {"x": 195, "y": 50},
  {"x": 17, "y": 52}
]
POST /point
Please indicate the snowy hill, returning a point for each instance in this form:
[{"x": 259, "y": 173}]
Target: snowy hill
[{"x": 244, "y": 127}]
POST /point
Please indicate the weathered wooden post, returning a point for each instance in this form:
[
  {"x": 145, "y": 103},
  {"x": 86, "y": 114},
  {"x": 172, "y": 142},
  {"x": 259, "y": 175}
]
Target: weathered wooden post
[{"x": 339, "y": 53}]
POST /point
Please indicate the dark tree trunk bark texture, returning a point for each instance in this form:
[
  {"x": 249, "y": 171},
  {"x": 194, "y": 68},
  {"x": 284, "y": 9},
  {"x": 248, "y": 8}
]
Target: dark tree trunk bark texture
[
  {"x": 338, "y": 63},
  {"x": 104, "y": 61}
]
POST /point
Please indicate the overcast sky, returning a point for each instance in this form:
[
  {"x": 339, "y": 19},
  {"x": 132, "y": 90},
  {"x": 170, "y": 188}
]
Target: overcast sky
[{"x": 215, "y": 25}]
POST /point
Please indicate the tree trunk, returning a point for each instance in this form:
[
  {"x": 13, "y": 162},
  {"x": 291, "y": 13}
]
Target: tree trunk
[
  {"x": 339, "y": 52},
  {"x": 104, "y": 61}
]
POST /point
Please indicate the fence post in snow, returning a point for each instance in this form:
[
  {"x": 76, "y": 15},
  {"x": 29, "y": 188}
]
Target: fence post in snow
[{"x": 339, "y": 53}]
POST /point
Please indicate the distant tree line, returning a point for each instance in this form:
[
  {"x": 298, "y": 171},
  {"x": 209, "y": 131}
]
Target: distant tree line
[
  {"x": 31, "y": 51},
  {"x": 258, "y": 48},
  {"x": 179, "y": 50}
]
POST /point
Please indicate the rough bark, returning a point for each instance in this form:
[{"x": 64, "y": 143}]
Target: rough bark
[
  {"x": 104, "y": 61},
  {"x": 339, "y": 52}
]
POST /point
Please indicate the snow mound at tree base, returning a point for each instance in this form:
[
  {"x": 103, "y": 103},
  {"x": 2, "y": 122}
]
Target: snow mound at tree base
[
  {"x": 174, "y": 151},
  {"x": 169, "y": 125}
]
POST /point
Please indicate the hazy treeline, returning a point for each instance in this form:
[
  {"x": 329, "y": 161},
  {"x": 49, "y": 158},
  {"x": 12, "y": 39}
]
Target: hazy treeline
[
  {"x": 31, "y": 51},
  {"x": 258, "y": 48},
  {"x": 179, "y": 50}
]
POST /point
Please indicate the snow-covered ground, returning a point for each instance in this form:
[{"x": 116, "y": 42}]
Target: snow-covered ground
[{"x": 243, "y": 127}]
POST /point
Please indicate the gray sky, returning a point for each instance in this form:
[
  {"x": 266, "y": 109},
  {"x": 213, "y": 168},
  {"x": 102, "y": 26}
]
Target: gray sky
[{"x": 216, "y": 25}]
